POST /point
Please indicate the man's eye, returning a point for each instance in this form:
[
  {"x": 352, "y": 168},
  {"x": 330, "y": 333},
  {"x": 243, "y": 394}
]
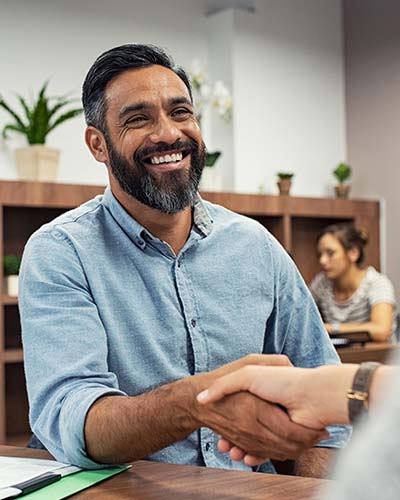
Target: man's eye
[
  {"x": 182, "y": 112},
  {"x": 136, "y": 120}
]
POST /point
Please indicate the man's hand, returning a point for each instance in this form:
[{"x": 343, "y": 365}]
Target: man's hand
[{"x": 259, "y": 427}]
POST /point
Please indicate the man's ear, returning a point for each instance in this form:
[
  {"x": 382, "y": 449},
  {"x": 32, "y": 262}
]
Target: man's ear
[{"x": 96, "y": 143}]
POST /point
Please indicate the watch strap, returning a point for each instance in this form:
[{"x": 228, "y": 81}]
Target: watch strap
[{"x": 358, "y": 395}]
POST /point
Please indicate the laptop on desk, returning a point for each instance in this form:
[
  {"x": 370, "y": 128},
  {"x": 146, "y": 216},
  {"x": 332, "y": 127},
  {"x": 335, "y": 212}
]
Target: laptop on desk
[{"x": 351, "y": 338}]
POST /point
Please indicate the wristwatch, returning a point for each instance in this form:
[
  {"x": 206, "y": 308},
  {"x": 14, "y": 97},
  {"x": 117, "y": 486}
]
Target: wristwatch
[
  {"x": 335, "y": 326},
  {"x": 358, "y": 395}
]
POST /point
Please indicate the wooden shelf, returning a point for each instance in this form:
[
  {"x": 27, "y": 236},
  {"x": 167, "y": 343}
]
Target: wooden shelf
[
  {"x": 8, "y": 301},
  {"x": 24, "y": 207},
  {"x": 13, "y": 355}
]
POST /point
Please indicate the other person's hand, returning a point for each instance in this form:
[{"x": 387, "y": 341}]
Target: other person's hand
[{"x": 313, "y": 397}]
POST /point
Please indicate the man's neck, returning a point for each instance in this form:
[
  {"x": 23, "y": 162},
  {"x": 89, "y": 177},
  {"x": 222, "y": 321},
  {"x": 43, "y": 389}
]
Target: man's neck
[{"x": 174, "y": 229}]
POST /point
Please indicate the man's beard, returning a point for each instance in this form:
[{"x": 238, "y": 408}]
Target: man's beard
[{"x": 172, "y": 191}]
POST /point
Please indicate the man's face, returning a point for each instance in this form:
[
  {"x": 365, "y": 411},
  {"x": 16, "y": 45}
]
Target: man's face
[{"x": 153, "y": 139}]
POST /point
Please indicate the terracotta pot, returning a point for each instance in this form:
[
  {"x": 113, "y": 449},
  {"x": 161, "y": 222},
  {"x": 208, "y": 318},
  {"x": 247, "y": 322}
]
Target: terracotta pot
[
  {"x": 284, "y": 186},
  {"x": 37, "y": 163},
  {"x": 342, "y": 191}
]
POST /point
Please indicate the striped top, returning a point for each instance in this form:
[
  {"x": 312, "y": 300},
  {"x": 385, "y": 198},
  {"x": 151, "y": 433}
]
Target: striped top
[{"x": 374, "y": 288}]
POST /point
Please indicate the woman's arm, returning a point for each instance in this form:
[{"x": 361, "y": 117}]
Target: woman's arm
[{"x": 379, "y": 326}]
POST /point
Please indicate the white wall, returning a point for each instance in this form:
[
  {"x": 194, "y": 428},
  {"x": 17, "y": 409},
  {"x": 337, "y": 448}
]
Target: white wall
[
  {"x": 289, "y": 95},
  {"x": 60, "y": 39},
  {"x": 372, "y": 39},
  {"x": 286, "y": 74}
]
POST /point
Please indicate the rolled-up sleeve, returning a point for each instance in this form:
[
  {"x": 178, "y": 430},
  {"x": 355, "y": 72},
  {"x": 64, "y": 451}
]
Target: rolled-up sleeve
[{"x": 65, "y": 345}]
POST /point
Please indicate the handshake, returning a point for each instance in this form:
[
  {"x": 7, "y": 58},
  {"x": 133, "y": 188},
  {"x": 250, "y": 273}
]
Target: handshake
[{"x": 264, "y": 408}]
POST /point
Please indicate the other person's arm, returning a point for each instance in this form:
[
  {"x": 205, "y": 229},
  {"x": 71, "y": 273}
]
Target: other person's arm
[
  {"x": 314, "y": 398},
  {"x": 379, "y": 326}
]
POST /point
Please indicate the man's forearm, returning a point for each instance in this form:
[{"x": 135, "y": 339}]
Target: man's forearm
[
  {"x": 315, "y": 462},
  {"x": 122, "y": 429}
]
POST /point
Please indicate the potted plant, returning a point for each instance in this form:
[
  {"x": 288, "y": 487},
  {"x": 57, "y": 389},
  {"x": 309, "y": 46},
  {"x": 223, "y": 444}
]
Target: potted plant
[
  {"x": 11, "y": 265},
  {"x": 215, "y": 97},
  {"x": 342, "y": 173},
  {"x": 284, "y": 182},
  {"x": 37, "y": 161}
]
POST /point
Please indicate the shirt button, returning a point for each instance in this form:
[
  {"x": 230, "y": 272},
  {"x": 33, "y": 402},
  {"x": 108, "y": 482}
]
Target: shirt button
[
  {"x": 193, "y": 323},
  {"x": 179, "y": 263},
  {"x": 208, "y": 446}
]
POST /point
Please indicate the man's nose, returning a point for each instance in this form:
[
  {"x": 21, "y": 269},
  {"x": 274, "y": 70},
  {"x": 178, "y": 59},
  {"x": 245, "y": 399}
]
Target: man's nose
[{"x": 165, "y": 130}]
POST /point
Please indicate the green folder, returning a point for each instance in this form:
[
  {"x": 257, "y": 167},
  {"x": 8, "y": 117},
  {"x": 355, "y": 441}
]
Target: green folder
[{"x": 68, "y": 485}]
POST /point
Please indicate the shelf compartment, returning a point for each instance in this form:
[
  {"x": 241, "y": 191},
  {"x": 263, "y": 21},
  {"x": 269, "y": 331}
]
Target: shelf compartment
[
  {"x": 20, "y": 222},
  {"x": 12, "y": 328},
  {"x": 17, "y": 408}
]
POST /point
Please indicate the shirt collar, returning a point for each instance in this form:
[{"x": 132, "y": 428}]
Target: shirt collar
[{"x": 202, "y": 220}]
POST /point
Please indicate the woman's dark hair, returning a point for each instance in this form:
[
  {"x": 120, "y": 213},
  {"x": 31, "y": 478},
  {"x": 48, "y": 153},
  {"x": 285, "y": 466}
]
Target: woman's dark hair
[
  {"x": 349, "y": 237},
  {"x": 113, "y": 62}
]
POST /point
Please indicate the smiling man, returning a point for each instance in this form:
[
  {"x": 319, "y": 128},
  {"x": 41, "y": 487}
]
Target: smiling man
[{"x": 148, "y": 294}]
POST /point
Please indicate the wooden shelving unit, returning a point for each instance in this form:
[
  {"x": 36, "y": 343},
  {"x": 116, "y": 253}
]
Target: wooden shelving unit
[{"x": 25, "y": 206}]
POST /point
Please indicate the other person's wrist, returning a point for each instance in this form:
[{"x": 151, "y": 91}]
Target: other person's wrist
[{"x": 330, "y": 384}]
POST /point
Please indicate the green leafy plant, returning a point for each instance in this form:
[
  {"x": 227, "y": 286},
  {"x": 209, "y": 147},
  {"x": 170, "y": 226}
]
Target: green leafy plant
[
  {"x": 11, "y": 264},
  {"x": 39, "y": 119},
  {"x": 342, "y": 172},
  {"x": 211, "y": 158},
  {"x": 285, "y": 175}
]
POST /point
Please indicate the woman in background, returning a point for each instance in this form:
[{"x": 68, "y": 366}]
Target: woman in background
[{"x": 352, "y": 298}]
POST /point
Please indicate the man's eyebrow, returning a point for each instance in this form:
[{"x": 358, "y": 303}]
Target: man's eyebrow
[{"x": 180, "y": 100}]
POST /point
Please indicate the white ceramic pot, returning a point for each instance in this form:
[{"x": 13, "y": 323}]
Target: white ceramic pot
[
  {"x": 37, "y": 163},
  {"x": 12, "y": 285}
]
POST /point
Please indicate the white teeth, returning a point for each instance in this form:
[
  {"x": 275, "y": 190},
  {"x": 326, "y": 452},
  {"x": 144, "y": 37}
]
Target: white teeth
[{"x": 156, "y": 160}]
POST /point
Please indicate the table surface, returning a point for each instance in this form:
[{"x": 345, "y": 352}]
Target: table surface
[{"x": 151, "y": 481}]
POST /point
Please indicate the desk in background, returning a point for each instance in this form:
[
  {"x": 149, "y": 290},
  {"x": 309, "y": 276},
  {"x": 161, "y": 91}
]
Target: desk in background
[
  {"x": 371, "y": 351},
  {"x": 159, "y": 481}
]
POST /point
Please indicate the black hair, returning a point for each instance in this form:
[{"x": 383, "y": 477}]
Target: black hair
[
  {"x": 114, "y": 62},
  {"x": 349, "y": 237}
]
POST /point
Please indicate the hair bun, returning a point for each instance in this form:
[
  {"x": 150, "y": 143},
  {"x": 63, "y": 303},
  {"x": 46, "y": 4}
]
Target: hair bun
[{"x": 363, "y": 234}]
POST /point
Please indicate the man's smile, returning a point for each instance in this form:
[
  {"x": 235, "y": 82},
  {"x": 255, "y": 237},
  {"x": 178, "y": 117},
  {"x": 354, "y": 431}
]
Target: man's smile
[{"x": 165, "y": 162}]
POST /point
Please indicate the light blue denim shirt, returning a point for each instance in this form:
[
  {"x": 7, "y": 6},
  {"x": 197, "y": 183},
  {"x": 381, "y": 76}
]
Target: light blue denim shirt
[{"x": 107, "y": 308}]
